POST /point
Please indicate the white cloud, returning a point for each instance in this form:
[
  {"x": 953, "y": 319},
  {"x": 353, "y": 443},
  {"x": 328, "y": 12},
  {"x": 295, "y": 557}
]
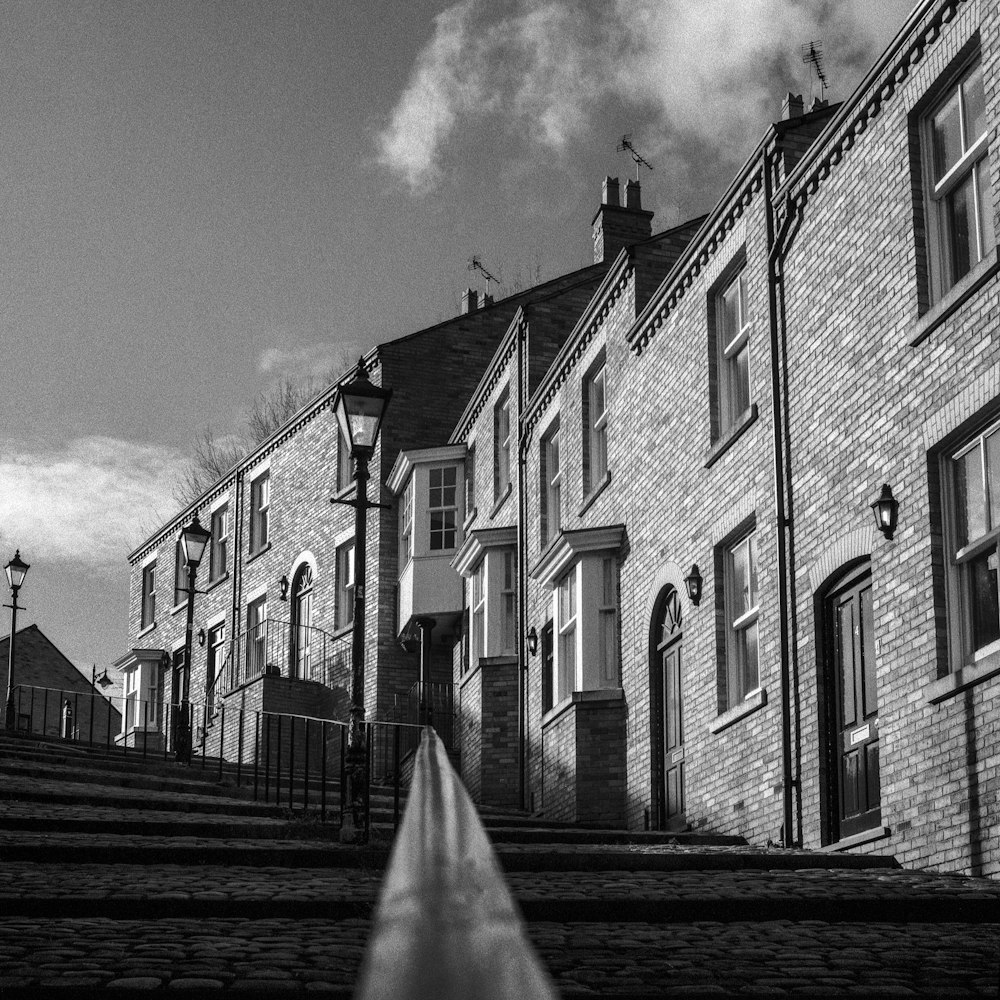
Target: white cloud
[
  {"x": 89, "y": 501},
  {"x": 316, "y": 361},
  {"x": 713, "y": 69}
]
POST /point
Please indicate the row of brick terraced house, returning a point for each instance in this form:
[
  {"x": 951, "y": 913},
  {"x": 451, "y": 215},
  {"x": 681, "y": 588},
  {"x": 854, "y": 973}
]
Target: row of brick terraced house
[{"x": 629, "y": 510}]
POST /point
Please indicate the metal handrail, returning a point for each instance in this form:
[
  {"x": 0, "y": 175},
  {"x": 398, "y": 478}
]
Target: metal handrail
[{"x": 446, "y": 925}]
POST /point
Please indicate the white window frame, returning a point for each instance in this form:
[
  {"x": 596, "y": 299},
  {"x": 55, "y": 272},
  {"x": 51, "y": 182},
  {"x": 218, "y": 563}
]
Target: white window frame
[
  {"x": 218, "y": 552},
  {"x": 566, "y": 660},
  {"x": 147, "y": 610},
  {"x": 607, "y": 623},
  {"x": 508, "y": 602},
  {"x": 344, "y": 605},
  {"x": 180, "y": 575},
  {"x": 552, "y": 479},
  {"x": 971, "y": 165},
  {"x": 256, "y": 636},
  {"x": 965, "y": 552},
  {"x": 406, "y": 525},
  {"x": 345, "y": 472},
  {"x": 596, "y": 427},
  {"x": 501, "y": 445},
  {"x": 741, "y": 616},
  {"x": 442, "y": 503},
  {"x": 469, "y": 481},
  {"x": 478, "y": 631},
  {"x": 214, "y": 662},
  {"x": 260, "y": 509},
  {"x": 730, "y": 344}
]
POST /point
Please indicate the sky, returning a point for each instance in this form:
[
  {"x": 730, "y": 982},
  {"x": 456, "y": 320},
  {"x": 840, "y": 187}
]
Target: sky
[{"x": 201, "y": 198}]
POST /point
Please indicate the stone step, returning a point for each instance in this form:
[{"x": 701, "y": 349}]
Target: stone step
[{"x": 64, "y": 956}]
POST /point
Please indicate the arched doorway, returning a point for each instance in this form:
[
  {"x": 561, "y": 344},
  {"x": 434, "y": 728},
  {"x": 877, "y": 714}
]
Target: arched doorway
[
  {"x": 853, "y": 798},
  {"x": 667, "y": 676},
  {"x": 302, "y": 609}
]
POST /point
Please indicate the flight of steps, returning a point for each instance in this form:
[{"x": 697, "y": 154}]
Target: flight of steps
[{"x": 123, "y": 877}]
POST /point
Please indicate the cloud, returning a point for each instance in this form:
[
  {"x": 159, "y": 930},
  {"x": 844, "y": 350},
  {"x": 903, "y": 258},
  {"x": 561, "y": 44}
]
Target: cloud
[
  {"x": 316, "y": 361},
  {"x": 89, "y": 501},
  {"x": 713, "y": 70}
]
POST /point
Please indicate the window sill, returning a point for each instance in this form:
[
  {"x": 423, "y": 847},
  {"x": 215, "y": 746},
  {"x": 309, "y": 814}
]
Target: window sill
[
  {"x": 212, "y": 584},
  {"x": 594, "y": 494},
  {"x": 955, "y": 297},
  {"x": 342, "y": 631},
  {"x": 597, "y": 695},
  {"x": 146, "y": 630},
  {"x": 179, "y": 607},
  {"x": 965, "y": 677},
  {"x": 755, "y": 700},
  {"x": 721, "y": 445},
  {"x": 500, "y": 501},
  {"x": 259, "y": 552},
  {"x": 865, "y": 837},
  {"x": 344, "y": 492}
]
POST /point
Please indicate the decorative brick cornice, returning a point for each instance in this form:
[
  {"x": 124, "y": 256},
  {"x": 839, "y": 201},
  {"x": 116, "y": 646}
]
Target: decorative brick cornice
[
  {"x": 580, "y": 337},
  {"x": 701, "y": 250},
  {"x": 491, "y": 377}
]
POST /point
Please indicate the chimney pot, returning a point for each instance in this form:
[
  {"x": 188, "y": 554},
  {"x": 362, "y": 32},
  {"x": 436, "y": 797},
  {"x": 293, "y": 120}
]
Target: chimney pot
[
  {"x": 633, "y": 195},
  {"x": 469, "y": 301},
  {"x": 791, "y": 107},
  {"x": 610, "y": 193},
  {"x": 818, "y": 104}
]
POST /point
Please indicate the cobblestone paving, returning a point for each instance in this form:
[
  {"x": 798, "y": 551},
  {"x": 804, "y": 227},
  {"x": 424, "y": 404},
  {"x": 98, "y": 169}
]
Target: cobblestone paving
[
  {"x": 604, "y": 959},
  {"x": 215, "y": 882}
]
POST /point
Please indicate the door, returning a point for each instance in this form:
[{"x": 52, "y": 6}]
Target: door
[
  {"x": 855, "y": 725},
  {"x": 302, "y": 594},
  {"x": 668, "y": 652},
  {"x": 179, "y": 727}
]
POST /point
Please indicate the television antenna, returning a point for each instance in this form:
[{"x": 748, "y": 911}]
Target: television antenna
[
  {"x": 812, "y": 53},
  {"x": 637, "y": 157},
  {"x": 475, "y": 264}
]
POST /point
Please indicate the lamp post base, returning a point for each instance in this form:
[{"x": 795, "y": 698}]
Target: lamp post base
[{"x": 354, "y": 815}]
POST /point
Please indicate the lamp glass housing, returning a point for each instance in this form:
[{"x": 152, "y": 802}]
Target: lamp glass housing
[
  {"x": 886, "y": 510},
  {"x": 16, "y": 570},
  {"x": 692, "y": 583},
  {"x": 360, "y": 408},
  {"x": 194, "y": 539}
]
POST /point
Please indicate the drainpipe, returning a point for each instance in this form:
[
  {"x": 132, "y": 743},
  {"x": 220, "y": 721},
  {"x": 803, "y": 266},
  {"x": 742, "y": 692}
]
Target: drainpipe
[
  {"x": 776, "y": 249},
  {"x": 522, "y": 580}
]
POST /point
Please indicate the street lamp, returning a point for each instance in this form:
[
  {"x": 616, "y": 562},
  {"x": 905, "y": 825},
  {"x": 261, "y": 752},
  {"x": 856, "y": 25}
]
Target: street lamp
[
  {"x": 16, "y": 571},
  {"x": 360, "y": 409},
  {"x": 194, "y": 538}
]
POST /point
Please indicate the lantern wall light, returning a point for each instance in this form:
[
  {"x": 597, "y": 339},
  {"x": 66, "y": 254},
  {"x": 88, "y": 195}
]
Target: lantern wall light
[
  {"x": 885, "y": 508},
  {"x": 692, "y": 583},
  {"x": 532, "y": 639}
]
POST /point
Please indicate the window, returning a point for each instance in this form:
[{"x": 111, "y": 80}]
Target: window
[
  {"x": 217, "y": 562},
  {"x": 442, "y": 507},
  {"x": 595, "y": 430},
  {"x": 732, "y": 348},
  {"x": 344, "y": 611},
  {"x": 406, "y": 525},
  {"x": 345, "y": 474},
  {"x": 180, "y": 575},
  {"x": 607, "y": 625},
  {"x": 551, "y": 519},
  {"x": 478, "y": 634},
  {"x": 256, "y": 648},
  {"x": 740, "y": 609},
  {"x": 974, "y": 534},
  {"x": 565, "y": 667},
  {"x": 260, "y": 504},
  {"x": 501, "y": 445},
  {"x": 956, "y": 165},
  {"x": 470, "y": 481},
  {"x": 148, "y": 612},
  {"x": 508, "y": 604},
  {"x": 548, "y": 666},
  {"x": 216, "y": 658}
]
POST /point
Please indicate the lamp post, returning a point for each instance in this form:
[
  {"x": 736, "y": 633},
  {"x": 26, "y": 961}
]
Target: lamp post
[
  {"x": 194, "y": 538},
  {"x": 360, "y": 408},
  {"x": 16, "y": 571}
]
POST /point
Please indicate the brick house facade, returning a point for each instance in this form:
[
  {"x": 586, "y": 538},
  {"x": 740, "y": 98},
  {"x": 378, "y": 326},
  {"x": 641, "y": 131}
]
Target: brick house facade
[{"x": 650, "y": 565}]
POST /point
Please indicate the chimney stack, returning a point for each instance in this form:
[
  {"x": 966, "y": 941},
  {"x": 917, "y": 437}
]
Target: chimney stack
[
  {"x": 616, "y": 225},
  {"x": 469, "y": 301},
  {"x": 791, "y": 107},
  {"x": 485, "y": 300}
]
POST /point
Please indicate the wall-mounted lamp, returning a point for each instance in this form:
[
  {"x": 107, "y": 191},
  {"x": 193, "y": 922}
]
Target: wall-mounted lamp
[
  {"x": 284, "y": 588},
  {"x": 532, "y": 638},
  {"x": 693, "y": 583},
  {"x": 201, "y": 637},
  {"x": 886, "y": 510}
]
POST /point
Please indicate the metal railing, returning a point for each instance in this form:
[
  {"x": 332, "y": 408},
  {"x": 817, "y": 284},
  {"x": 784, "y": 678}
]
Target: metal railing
[
  {"x": 423, "y": 705},
  {"x": 446, "y": 924},
  {"x": 280, "y": 648},
  {"x": 293, "y": 761}
]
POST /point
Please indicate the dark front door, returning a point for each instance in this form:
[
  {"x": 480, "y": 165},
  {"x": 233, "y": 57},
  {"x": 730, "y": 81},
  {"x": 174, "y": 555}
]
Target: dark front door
[
  {"x": 855, "y": 728},
  {"x": 179, "y": 721},
  {"x": 673, "y": 738},
  {"x": 668, "y": 663}
]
